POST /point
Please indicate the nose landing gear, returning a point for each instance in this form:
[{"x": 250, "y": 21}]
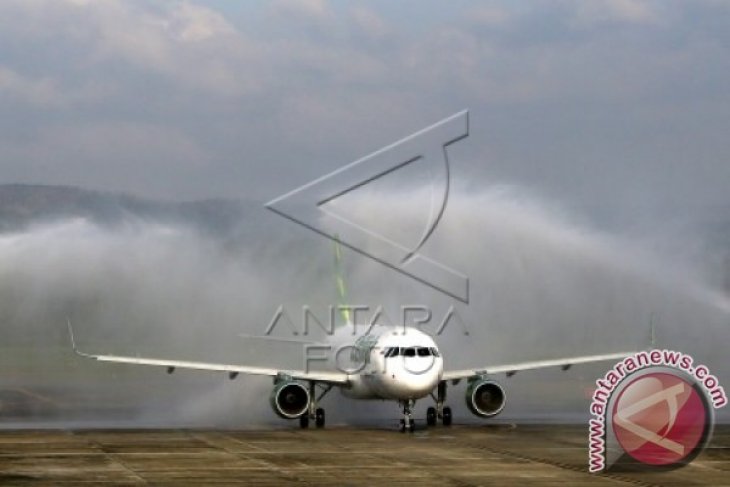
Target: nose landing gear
[
  {"x": 440, "y": 411},
  {"x": 407, "y": 423}
]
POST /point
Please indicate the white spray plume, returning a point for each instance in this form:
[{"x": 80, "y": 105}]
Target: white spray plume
[{"x": 541, "y": 287}]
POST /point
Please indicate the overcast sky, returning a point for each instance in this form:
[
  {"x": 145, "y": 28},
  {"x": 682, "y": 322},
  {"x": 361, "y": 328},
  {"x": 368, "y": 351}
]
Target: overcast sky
[{"x": 608, "y": 106}]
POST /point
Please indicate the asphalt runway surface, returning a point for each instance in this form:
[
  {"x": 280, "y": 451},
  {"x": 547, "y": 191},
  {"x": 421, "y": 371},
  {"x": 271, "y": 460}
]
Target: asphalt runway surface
[{"x": 342, "y": 456}]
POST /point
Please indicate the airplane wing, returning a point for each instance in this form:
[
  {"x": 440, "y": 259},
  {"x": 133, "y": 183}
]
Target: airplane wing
[
  {"x": 335, "y": 378},
  {"x": 510, "y": 369}
]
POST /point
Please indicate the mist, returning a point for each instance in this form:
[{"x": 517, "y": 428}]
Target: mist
[{"x": 544, "y": 284}]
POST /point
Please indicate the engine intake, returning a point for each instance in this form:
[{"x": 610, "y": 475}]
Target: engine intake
[
  {"x": 289, "y": 399},
  {"x": 484, "y": 397}
]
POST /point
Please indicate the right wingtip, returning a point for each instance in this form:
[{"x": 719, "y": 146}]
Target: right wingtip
[
  {"x": 652, "y": 331},
  {"x": 71, "y": 334}
]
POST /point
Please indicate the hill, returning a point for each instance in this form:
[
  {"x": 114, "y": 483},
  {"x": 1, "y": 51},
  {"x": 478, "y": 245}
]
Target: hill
[{"x": 22, "y": 205}]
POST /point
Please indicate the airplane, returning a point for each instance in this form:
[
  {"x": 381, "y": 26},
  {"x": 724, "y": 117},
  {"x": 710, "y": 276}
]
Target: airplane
[{"x": 393, "y": 363}]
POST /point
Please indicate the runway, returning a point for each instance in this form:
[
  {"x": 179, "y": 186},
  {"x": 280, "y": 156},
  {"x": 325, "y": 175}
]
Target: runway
[{"x": 335, "y": 456}]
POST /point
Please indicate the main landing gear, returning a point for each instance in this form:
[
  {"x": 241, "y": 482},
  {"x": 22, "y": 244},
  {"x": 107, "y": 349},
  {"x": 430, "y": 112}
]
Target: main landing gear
[
  {"x": 314, "y": 412},
  {"x": 440, "y": 411}
]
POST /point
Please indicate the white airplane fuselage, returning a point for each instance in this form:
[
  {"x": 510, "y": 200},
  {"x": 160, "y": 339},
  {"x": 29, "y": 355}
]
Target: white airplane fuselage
[{"x": 389, "y": 363}]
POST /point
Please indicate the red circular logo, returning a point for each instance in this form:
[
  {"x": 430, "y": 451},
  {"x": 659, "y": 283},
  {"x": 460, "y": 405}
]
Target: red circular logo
[{"x": 660, "y": 418}]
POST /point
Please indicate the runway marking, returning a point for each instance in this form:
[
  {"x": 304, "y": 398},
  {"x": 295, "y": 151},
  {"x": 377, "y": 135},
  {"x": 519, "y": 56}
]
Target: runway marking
[
  {"x": 389, "y": 458},
  {"x": 267, "y": 466},
  {"x": 561, "y": 465},
  {"x": 117, "y": 461}
]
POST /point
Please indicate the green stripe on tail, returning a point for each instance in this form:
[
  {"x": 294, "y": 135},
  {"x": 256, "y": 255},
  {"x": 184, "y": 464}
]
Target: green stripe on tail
[{"x": 342, "y": 304}]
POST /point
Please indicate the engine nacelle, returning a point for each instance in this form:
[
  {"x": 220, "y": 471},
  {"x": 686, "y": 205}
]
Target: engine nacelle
[
  {"x": 485, "y": 397},
  {"x": 289, "y": 399}
]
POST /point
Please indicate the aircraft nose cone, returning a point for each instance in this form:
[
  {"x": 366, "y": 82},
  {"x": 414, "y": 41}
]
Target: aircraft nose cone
[{"x": 416, "y": 378}]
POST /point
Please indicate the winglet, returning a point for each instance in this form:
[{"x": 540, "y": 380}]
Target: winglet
[
  {"x": 73, "y": 341},
  {"x": 652, "y": 332},
  {"x": 71, "y": 334}
]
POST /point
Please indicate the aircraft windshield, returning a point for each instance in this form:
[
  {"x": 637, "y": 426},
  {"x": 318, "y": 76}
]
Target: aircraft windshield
[{"x": 411, "y": 352}]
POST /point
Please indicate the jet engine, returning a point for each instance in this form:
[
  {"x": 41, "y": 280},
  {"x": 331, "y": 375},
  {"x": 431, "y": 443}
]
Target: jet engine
[
  {"x": 289, "y": 399},
  {"x": 485, "y": 397}
]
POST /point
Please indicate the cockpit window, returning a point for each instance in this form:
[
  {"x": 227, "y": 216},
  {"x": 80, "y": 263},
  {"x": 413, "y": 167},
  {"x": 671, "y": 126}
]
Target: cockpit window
[{"x": 411, "y": 352}]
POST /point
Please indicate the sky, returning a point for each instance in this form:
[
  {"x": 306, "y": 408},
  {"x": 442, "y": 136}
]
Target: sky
[{"x": 616, "y": 108}]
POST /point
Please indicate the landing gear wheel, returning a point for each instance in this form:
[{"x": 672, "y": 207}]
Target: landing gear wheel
[
  {"x": 407, "y": 425},
  {"x": 446, "y": 416},
  {"x": 319, "y": 418},
  {"x": 304, "y": 421},
  {"x": 431, "y": 416}
]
